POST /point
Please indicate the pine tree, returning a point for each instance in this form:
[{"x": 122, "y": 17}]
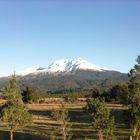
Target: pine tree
[
  {"x": 102, "y": 121},
  {"x": 134, "y": 100},
  {"x": 62, "y": 116},
  {"x": 14, "y": 113}
]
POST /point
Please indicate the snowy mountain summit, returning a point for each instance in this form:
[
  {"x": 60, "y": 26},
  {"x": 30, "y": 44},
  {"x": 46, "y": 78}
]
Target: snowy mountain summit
[
  {"x": 63, "y": 65},
  {"x": 66, "y": 65}
]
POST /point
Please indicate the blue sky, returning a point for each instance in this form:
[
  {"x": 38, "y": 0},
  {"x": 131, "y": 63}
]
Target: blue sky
[{"x": 34, "y": 33}]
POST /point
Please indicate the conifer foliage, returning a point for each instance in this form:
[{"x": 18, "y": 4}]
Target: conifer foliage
[
  {"x": 134, "y": 100},
  {"x": 62, "y": 116},
  {"x": 14, "y": 113},
  {"x": 102, "y": 121}
]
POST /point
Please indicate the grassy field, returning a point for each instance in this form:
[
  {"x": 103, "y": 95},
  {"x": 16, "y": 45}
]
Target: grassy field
[{"x": 45, "y": 128}]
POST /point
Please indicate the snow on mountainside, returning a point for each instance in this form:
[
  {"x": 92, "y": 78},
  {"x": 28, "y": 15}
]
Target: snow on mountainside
[
  {"x": 63, "y": 65},
  {"x": 26, "y": 71}
]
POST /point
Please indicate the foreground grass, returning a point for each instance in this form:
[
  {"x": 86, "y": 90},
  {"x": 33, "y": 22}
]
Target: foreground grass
[{"x": 45, "y": 128}]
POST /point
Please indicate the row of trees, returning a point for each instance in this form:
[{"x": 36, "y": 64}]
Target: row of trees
[{"x": 116, "y": 94}]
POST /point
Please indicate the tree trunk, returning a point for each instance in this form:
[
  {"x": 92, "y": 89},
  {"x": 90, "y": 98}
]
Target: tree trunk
[
  {"x": 138, "y": 133},
  {"x": 107, "y": 135},
  {"x": 135, "y": 134},
  {"x": 11, "y": 133},
  {"x": 100, "y": 134},
  {"x": 64, "y": 133},
  {"x": 134, "y": 131}
]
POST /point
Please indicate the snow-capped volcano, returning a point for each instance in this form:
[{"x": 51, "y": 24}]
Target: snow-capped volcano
[{"x": 63, "y": 65}]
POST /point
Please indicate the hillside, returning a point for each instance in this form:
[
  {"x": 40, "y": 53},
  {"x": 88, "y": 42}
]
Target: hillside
[{"x": 80, "y": 79}]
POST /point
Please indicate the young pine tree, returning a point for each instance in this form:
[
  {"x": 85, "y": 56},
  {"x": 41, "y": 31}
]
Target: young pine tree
[
  {"x": 62, "y": 116},
  {"x": 102, "y": 121},
  {"x": 14, "y": 113}
]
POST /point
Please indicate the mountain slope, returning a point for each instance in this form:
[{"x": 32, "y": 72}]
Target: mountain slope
[{"x": 83, "y": 79}]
